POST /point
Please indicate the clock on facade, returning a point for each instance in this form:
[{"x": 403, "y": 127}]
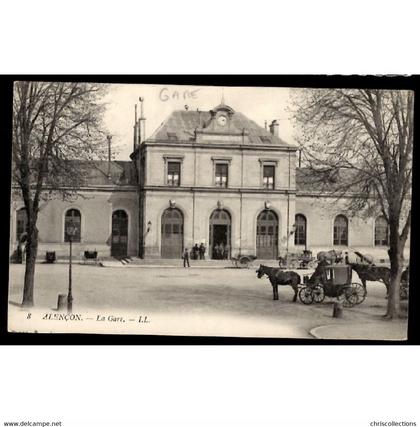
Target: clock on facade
[{"x": 222, "y": 120}]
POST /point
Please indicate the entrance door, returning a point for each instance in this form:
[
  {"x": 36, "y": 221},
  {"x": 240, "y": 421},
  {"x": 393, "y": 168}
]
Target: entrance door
[
  {"x": 172, "y": 233},
  {"x": 267, "y": 235},
  {"x": 220, "y": 230},
  {"x": 119, "y": 242}
]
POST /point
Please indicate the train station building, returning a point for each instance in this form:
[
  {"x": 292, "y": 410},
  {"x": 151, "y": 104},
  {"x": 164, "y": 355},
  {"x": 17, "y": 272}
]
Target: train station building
[{"x": 212, "y": 177}]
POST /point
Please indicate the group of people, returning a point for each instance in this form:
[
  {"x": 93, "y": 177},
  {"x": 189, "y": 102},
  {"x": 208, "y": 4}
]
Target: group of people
[
  {"x": 221, "y": 251},
  {"x": 197, "y": 252}
]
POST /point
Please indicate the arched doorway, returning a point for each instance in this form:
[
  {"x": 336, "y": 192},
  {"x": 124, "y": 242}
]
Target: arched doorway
[
  {"x": 267, "y": 235},
  {"x": 220, "y": 231},
  {"x": 172, "y": 233},
  {"x": 119, "y": 243}
]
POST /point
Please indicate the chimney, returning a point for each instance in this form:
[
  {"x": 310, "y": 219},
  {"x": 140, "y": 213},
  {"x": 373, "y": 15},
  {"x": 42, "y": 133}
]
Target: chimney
[
  {"x": 139, "y": 132},
  {"x": 109, "y": 137},
  {"x": 135, "y": 128},
  {"x": 142, "y": 123},
  {"x": 274, "y": 128}
]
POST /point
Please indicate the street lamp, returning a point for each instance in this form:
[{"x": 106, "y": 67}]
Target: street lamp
[{"x": 71, "y": 231}]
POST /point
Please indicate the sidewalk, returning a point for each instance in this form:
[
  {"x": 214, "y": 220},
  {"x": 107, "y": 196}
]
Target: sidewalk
[
  {"x": 157, "y": 263},
  {"x": 134, "y": 262},
  {"x": 177, "y": 263},
  {"x": 382, "y": 330}
]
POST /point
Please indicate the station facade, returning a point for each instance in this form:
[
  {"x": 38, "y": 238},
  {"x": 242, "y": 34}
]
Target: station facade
[{"x": 212, "y": 177}]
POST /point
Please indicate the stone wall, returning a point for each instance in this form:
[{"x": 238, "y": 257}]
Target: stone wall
[
  {"x": 197, "y": 168},
  {"x": 96, "y": 209},
  {"x": 320, "y": 213},
  {"x": 197, "y": 209}
]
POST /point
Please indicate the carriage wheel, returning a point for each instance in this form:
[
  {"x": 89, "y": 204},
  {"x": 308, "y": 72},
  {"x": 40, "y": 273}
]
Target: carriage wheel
[
  {"x": 318, "y": 294},
  {"x": 306, "y": 296},
  {"x": 350, "y": 297},
  {"x": 360, "y": 291},
  {"x": 342, "y": 297}
]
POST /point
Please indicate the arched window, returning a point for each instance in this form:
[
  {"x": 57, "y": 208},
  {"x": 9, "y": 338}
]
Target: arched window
[
  {"x": 73, "y": 217},
  {"x": 119, "y": 241},
  {"x": 341, "y": 231},
  {"x": 21, "y": 223},
  {"x": 172, "y": 233},
  {"x": 381, "y": 232},
  {"x": 300, "y": 231},
  {"x": 267, "y": 235}
]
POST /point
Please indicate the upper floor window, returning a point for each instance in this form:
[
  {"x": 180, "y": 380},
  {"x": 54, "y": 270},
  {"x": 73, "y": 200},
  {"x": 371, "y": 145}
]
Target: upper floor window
[
  {"x": 268, "y": 176},
  {"x": 268, "y": 173},
  {"x": 341, "y": 231},
  {"x": 221, "y": 176},
  {"x": 381, "y": 232},
  {"x": 73, "y": 217},
  {"x": 300, "y": 231},
  {"x": 174, "y": 174}
]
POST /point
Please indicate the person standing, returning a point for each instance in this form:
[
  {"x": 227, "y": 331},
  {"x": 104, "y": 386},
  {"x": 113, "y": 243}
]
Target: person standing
[
  {"x": 202, "y": 250},
  {"x": 216, "y": 251},
  {"x": 222, "y": 250},
  {"x": 186, "y": 258},
  {"x": 196, "y": 251}
]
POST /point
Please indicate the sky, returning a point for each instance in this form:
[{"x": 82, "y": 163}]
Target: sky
[{"x": 258, "y": 104}]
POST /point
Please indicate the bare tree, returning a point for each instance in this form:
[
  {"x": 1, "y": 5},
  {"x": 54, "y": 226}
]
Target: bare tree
[
  {"x": 359, "y": 143},
  {"x": 57, "y": 132}
]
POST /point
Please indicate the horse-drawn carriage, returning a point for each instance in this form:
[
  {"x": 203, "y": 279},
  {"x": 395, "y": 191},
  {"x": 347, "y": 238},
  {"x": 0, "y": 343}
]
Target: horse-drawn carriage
[
  {"x": 297, "y": 260},
  {"x": 243, "y": 261},
  {"x": 332, "y": 281}
]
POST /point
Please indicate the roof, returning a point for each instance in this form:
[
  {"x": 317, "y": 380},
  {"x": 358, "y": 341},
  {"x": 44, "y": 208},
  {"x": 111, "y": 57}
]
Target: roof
[
  {"x": 308, "y": 180},
  {"x": 93, "y": 173},
  {"x": 181, "y": 126},
  {"x": 122, "y": 173}
]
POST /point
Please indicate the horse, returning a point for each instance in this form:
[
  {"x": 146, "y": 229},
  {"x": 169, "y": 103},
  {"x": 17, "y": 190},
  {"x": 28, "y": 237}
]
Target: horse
[
  {"x": 280, "y": 277},
  {"x": 331, "y": 257},
  {"x": 372, "y": 273}
]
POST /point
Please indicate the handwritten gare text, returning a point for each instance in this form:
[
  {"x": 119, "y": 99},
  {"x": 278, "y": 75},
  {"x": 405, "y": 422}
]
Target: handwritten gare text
[{"x": 165, "y": 94}]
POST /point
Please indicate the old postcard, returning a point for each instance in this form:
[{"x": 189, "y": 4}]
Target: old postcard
[{"x": 210, "y": 211}]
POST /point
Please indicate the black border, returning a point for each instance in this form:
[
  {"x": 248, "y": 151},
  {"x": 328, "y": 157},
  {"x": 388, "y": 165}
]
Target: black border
[{"x": 315, "y": 81}]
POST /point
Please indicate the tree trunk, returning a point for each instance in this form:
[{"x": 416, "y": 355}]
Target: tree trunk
[
  {"x": 396, "y": 257},
  {"x": 31, "y": 253}
]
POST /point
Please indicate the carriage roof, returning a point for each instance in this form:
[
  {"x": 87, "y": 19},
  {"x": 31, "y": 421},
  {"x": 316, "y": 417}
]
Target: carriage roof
[{"x": 339, "y": 274}]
